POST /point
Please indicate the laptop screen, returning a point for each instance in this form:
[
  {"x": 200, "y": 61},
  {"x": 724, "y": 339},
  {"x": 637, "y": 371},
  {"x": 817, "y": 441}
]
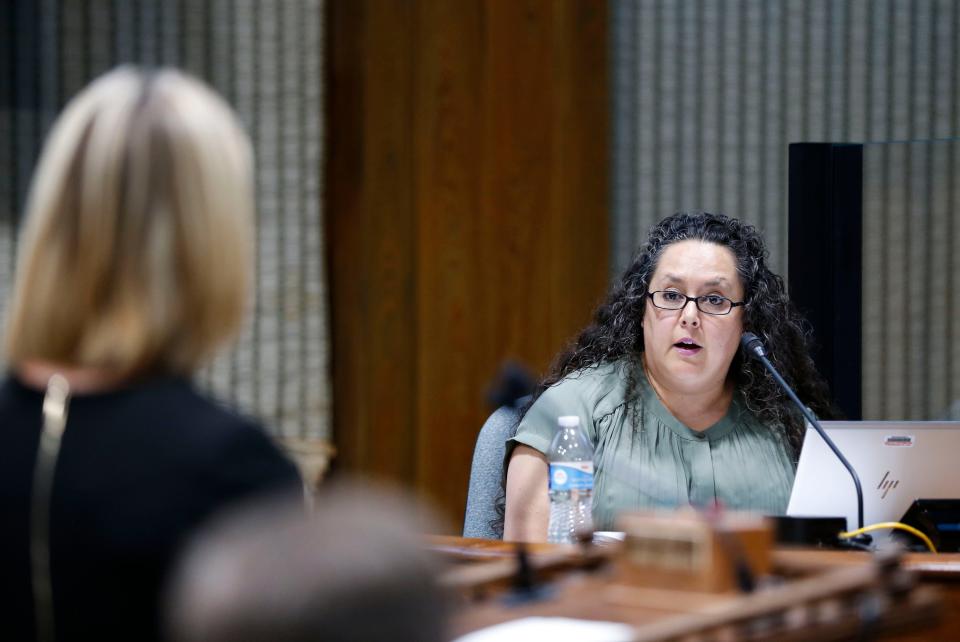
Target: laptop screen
[{"x": 897, "y": 461}]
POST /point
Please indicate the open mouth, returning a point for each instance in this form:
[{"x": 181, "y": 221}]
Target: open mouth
[{"x": 687, "y": 346}]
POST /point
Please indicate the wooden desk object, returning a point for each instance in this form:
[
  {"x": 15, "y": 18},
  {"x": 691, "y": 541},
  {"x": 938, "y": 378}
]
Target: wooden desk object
[
  {"x": 822, "y": 595},
  {"x": 688, "y": 551}
]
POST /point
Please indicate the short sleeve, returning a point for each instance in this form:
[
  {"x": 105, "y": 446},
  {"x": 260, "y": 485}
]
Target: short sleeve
[
  {"x": 585, "y": 393},
  {"x": 540, "y": 423}
]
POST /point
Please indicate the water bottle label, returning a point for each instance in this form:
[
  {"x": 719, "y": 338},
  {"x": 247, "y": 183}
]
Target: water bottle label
[{"x": 571, "y": 475}]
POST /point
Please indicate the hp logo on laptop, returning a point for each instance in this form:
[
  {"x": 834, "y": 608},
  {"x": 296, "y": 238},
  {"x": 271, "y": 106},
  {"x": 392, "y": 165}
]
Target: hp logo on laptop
[{"x": 886, "y": 485}]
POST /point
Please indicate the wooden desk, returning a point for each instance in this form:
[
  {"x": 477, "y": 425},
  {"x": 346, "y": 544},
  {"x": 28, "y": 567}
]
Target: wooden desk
[
  {"x": 595, "y": 596},
  {"x": 941, "y": 570}
]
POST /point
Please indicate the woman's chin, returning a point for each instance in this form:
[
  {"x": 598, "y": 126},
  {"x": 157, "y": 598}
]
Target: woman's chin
[
  {"x": 691, "y": 378},
  {"x": 686, "y": 365}
]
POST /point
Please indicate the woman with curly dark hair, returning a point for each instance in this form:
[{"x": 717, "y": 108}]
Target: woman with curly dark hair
[{"x": 676, "y": 411}]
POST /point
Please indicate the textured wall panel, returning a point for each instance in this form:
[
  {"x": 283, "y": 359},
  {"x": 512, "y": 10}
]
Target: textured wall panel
[
  {"x": 265, "y": 57},
  {"x": 707, "y": 95},
  {"x": 911, "y": 281}
]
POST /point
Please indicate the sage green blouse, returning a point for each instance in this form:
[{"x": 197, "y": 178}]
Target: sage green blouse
[{"x": 661, "y": 463}]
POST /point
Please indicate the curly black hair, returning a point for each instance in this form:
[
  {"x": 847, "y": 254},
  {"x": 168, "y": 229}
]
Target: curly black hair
[{"x": 616, "y": 333}]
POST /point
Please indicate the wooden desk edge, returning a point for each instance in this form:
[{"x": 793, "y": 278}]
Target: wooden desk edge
[{"x": 940, "y": 565}]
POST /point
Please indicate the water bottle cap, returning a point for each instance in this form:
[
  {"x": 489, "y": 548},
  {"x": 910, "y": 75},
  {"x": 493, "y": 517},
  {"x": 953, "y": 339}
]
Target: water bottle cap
[{"x": 569, "y": 421}]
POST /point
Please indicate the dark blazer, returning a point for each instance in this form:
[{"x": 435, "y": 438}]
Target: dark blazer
[{"x": 139, "y": 470}]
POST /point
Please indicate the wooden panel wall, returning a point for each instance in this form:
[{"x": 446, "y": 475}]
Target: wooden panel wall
[{"x": 467, "y": 218}]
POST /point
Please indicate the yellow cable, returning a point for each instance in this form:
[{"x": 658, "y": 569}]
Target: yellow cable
[{"x": 897, "y": 525}]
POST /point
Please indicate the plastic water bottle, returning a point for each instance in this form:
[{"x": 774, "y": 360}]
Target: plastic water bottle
[{"x": 571, "y": 482}]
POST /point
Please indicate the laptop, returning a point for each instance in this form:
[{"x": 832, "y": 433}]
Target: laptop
[{"x": 897, "y": 461}]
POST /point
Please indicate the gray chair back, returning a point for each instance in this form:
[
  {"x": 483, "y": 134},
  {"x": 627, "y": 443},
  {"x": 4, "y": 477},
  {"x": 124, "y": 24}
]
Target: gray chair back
[{"x": 486, "y": 474}]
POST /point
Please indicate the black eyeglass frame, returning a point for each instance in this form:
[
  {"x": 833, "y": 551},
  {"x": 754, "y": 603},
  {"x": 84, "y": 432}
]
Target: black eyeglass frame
[{"x": 696, "y": 302}]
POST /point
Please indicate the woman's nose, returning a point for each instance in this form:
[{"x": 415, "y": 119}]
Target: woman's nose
[{"x": 690, "y": 314}]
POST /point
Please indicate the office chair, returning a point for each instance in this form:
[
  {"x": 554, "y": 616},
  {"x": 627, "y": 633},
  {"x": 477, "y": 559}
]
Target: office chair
[{"x": 486, "y": 473}]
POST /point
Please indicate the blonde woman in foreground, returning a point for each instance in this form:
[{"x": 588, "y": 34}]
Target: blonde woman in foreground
[{"x": 134, "y": 268}]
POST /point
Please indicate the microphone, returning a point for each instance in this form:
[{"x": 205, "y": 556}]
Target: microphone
[{"x": 754, "y": 347}]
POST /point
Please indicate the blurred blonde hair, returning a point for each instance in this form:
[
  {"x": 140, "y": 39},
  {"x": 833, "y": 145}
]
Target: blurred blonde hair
[{"x": 135, "y": 254}]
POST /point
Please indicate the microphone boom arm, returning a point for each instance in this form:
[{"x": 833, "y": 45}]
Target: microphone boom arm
[{"x": 755, "y": 348}]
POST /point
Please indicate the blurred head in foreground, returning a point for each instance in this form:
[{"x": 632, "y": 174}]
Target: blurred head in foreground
[
  {"x": 135, "y": 253},
  {"x": 354, "y": 569}
]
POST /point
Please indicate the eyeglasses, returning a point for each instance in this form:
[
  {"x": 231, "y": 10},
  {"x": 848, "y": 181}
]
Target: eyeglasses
[{"x": 708, "y": 303}]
